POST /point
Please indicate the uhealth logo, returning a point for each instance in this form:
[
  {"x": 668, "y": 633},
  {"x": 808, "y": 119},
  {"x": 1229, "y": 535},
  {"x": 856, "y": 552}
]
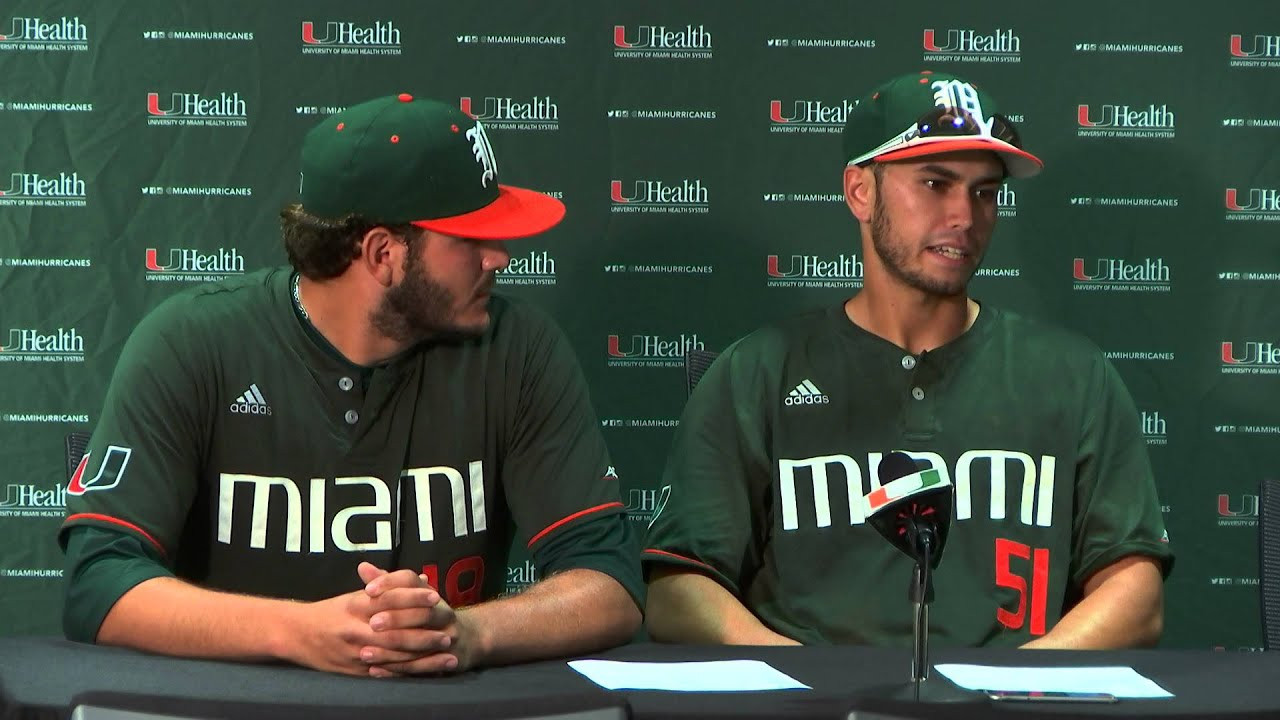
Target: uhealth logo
[
  {"x": 660, "y": 41},
  {"x": 536, "y": 268},
  {"x": 33, "y": 501},
  {"x": 1238, "y": 510},
  {"x": 1124, "y": 121},
  {"x": 968, "y": 45},
  {"x": 660, "y": 196},
  {"x": 347, "y": 38},
  {"x": 36, "y": 190},
  {"x": 194, "y": 109},
  {"x": 643, "y": 504},
  {"x": 506, "y": 113},
  {"x": 808, "y": 116},
  {"x": 1155, "y": 428},
  {"x": 1117, "y": 274},
  {"x": 34, "y": 345},
  {"x": 1251, "y": 357},
  {"x": 1257, "y": 51},
  {"x": 522, "y": 576},
  {"x": 814, "y": 271},
  {"x": 34, "y": 33},
  {"x": 1006, "y": 202},
  {"x": 652, "y": 350},
  {"x": 193, "y": 265},
  {"x": 1253, "y": 204}
]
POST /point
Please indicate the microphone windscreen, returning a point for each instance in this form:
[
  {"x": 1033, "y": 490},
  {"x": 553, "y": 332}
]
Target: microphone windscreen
[{"x": 895, "y": 465}]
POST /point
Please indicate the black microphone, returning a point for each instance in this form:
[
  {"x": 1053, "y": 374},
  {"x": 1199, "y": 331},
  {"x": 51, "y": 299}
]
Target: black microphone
[{"x": 911, "y": 508}]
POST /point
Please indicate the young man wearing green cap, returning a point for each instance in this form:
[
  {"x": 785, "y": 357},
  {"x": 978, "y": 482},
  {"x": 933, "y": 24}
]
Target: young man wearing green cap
[
  {"x": 327, "y": 465},
  {"x": 1057, "y": 537}
]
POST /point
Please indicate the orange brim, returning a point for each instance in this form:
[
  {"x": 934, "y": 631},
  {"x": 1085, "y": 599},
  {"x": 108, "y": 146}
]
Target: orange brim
[
  {"x": 516, "y": 213},
  {"x": 1020, "y": 163}
]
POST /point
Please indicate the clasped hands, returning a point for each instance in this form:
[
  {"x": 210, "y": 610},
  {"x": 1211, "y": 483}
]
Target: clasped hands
[{"x": 398, "y": 624}]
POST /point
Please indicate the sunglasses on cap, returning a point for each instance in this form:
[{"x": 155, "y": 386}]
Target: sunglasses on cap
[{"x": 946, "y": 122}]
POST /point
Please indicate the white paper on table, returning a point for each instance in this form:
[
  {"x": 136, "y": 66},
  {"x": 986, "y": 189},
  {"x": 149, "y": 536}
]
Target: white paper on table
[
  {"x": 714, "y": 676},
  {"x": 1122, "y": 682}
]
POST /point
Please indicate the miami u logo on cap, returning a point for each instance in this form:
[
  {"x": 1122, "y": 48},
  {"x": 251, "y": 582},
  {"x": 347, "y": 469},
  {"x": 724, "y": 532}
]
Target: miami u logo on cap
[{"x": 484, "y": 154}]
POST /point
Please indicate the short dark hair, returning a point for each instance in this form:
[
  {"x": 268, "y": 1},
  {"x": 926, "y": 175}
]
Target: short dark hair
[{"x": 323, "y": 248}]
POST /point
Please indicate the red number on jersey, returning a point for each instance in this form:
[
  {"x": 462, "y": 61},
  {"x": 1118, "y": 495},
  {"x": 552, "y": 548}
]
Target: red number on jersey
[
  {"x": 1006, "y": 551},
  {"x": 455, "y": 591}
]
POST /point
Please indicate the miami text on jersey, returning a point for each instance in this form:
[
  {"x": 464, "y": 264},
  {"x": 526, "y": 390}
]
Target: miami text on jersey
[
  {"x": 325, "y": 529},
  {"x": 1037, "y": 480}
]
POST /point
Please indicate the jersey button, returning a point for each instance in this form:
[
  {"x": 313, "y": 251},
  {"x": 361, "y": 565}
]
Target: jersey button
[
  {"x": 908, "y": 362},
  {"x": 917, "y": 393},
  {"x": 352, "y": 417},
  {"x": 346, "y": 383}
]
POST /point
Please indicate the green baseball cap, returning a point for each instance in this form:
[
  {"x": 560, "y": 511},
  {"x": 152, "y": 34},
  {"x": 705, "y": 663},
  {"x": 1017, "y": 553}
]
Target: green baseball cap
[
  {"x": 401, "y": 159},
  {"x": 926, "y": 113}
]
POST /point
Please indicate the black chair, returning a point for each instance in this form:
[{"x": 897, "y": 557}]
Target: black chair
[
  {"x": 77, "y": 446},
  {"x": 696, "y": 363},
  {"x": 1269, "y": 560}
]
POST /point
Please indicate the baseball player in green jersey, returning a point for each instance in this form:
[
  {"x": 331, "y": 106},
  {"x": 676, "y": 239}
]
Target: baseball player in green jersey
[
  {"x": 328, "y": 465},
  {"x": 1057, "y": 540}
]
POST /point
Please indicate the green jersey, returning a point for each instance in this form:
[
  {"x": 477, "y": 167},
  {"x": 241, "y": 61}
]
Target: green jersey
[
  {"x": 783, "y": 437},
  {"x": 253, "y": 458}
]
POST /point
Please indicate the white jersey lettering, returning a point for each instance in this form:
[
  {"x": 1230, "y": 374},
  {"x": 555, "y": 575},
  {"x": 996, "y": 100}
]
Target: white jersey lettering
[
  {"x": 261, "y": 503},
  {"x": 458, "y": 501},
  {"x": 381, "y": 506},
  {"x": 465, "y": 496},
  {"x": 997, "y": 462},
  {"x": 821, "y": 504},
  {"x": 1035, "y": 506}
]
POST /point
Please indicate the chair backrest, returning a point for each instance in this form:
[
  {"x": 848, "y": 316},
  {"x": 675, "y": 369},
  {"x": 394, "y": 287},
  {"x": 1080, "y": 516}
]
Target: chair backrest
[
  {"x": 77, "y": 446},
  {"x": 1269, "y": 560},
  {"x": 696, "y": 363}
]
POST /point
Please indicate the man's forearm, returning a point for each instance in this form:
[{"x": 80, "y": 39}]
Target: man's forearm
[
  {"x": 1123, "y": 607},
  {"x": 573, "y": 612},
  {"x": 689, "y": 607},
  {"x": 171, "y": 617}
]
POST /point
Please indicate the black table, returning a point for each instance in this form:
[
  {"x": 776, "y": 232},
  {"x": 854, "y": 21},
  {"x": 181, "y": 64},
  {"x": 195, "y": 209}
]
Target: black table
[{"x": 47, "y": 677}]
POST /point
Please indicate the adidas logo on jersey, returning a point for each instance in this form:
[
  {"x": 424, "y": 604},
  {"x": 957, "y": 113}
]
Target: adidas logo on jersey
[
  {"x": 251, "y": 403},
  {"x": 806, "y": 393}
]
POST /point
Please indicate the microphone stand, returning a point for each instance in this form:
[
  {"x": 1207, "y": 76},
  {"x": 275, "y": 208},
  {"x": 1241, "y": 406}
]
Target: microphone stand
[
  {"x": 921, "y": 595},
  {"x": 917, "y": 526}
]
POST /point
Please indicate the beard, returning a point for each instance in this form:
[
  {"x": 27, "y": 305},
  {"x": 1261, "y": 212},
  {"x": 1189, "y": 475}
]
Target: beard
[
  {"x": 895, "y": 254},
  {"x": 419, "y": 307}
]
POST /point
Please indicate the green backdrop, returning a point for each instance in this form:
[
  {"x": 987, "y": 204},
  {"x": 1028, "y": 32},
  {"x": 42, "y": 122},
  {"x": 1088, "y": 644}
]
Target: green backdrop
[{"x": 145, "y": 146}]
